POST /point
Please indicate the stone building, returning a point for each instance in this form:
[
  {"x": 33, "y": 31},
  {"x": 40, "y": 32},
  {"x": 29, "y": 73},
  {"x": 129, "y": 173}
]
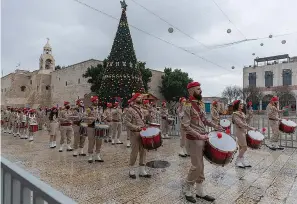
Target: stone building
[
  {"x": 273, "y": 74},
  {"x": 47, "y": 86}
]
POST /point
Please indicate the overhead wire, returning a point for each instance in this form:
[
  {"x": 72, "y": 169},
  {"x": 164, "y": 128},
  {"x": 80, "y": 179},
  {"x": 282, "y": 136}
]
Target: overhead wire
[
  {"x": 154, "y": 36},
  {"x": 228, "y": 18}
]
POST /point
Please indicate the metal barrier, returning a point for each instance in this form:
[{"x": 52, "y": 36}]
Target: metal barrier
[{"x": 20, "y": 187}]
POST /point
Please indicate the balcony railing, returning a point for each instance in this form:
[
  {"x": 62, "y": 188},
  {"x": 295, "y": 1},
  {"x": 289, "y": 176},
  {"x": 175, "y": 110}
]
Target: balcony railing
[{"x": 20, "y": 187}]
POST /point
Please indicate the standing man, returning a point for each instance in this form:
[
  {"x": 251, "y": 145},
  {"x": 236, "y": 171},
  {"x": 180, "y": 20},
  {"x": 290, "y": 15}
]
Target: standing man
[
  {"x": 66, "y": 127},
  {"x": 274, "y": 119},
  {"x": 180, "y": 111},
  {"x": 194, "y": 123},
  {"x": 134, "y": 120},
  {"x": 164, "y": 121},
  {"x": 116, "y": 115},
  {"x": 108, "y": 120},
  {"x": 215, "y": 114},
  {"x": 80, "y": 132}
]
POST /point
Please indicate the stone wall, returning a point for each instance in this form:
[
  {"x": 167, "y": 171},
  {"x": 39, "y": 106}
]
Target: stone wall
[{"x": 68, "y": 84}]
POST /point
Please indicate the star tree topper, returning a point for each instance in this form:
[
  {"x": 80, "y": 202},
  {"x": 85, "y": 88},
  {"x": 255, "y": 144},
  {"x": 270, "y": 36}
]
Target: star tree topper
[{"x": 124, "y": 5}]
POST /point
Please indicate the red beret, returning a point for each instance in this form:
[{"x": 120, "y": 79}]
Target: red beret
[
  {"x": 193, "y": 84},
  {"x": 146, "y": 102},
  {"x": 274, "y": 98},
  {"x": 214, "y": 103},
  {"x": 250, "y": 103},
  {"x": 66, "y": 103},
  {"x": 135, "y": 96},
  {"x": 116, "y": 103},
  {"x": 54, "y": 108},
  {"x": 236, "y": 102},
  {"x": 94, "y": 98},
  {"x": 109, "y": 105},
  {"x": 181, "y": 99}
]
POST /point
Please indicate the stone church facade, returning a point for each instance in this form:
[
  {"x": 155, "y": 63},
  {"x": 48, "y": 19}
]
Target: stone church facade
[{"x": 48, "y": 87}]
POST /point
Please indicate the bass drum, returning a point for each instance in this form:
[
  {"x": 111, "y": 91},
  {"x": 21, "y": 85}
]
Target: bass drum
[
  {"x": 220, "y": 148},
  {"x": 151, "y": 138}
]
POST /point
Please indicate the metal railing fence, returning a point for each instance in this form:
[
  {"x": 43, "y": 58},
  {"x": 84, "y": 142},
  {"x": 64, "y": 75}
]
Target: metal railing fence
[{"x": 20, "y": 187}]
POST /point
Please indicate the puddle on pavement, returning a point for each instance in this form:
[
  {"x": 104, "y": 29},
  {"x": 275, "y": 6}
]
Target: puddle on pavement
[{"x": 158, "y": 164}]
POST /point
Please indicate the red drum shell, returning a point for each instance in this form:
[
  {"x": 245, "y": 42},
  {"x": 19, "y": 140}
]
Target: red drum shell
[
  {"x": 218, "y": 156},
  {"x": 155, "y": 125},
  {"x": 286, "y": 128},
  {"x": 152, "y": 142},
  {"x": 33, "y": 128},
  {"x": 101, "y": 133},
  {"x": 252, "y": 142}
]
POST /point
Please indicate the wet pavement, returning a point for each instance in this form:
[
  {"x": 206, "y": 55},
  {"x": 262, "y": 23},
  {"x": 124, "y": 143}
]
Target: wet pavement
[{"x": 271, "y": 180}]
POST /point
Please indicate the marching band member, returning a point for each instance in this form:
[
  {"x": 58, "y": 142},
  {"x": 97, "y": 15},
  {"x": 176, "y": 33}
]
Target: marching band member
[
  {"x": 24, "y": 124},
  {"x": 134, "y": 120},
  {"x": 53, "y": 126},
  {"x": 116, "y": 115},
  {"x": 215, "y": 114},
  {"x": 93, "y": 142},
  {"x": 154, "y": 113},
  {"x": 79, "y": 131},
  {"x": 6, "y": 120},
  {"x": 194, "y": 123},
  {"x": 164, "y": 121},
  {"x": 33, "y": 124},
  {"x": 66, "y": 127},
  {"x": 16, "y": 118},
  {"x": 180, "y": 110},
  {"x": 274, "y": 119},
  {"x": 240, "y": 129},
  {"x": 127, "y": 129},
  {"x": 249, "y": 112},
  {"x": 10, "y": 121},
  {"x": 108, "y": 120},
  {"x": 39, "y": 116}
]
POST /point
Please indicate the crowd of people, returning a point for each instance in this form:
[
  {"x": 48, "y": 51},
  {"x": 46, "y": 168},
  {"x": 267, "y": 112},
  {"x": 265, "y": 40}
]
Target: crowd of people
[{"x": 98, "y": 126}]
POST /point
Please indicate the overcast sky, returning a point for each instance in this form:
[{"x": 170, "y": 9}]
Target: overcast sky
[{"x": 78, "y": 33}]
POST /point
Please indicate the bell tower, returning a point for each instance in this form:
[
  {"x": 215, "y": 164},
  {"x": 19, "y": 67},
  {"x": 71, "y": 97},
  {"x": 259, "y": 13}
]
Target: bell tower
[{"x": 46, "y": 60}]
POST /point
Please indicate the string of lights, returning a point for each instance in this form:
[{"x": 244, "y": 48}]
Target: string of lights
[{"x": 154, "y": 36}]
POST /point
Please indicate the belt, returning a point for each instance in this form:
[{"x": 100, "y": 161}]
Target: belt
[
  {"x": 135, "y": 131},
  {"x": 190, "y": 137},
  {"x": 108, "y": 120},
  {"x": 272, "y": 119},
  {"x": 66, "y": 124},
  {"x": 115, "y": 121}
]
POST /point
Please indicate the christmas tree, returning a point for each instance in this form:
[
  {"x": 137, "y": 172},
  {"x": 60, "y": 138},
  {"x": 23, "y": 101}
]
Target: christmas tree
[{"x": 122, "y": 76}]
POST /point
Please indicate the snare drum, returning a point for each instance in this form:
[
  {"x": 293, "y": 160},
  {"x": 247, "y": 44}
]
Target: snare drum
[
  {"x": 226, "y": 124},
  {"x": 287, "y": 126},
  {"x": 101, "y": 131},
  {"x": 170, "y": 121},
  {"x": 219, "y": 150},
  {"x": 156, "y": 125},
  {"x": 33, "y": 128},
  {"x": 151, "y": 138},
  {"x": 254, "y": 139}
]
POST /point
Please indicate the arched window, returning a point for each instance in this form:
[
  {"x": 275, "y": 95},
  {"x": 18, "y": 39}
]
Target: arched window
[
  {"x": 66, "y": 83},
  {"x": 47, "y": 87},
  {"x": 23, "y": 88},
  {"x": 31, "y": 82}
]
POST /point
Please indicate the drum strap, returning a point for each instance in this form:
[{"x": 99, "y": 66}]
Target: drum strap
[{"x": 137, "y": 111}]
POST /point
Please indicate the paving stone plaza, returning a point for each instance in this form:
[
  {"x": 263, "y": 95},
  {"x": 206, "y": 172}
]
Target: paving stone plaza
[{"x": 271, "y": 180}]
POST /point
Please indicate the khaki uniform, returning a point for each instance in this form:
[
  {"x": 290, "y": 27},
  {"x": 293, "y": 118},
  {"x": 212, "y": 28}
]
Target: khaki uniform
[
  {"x": 215, "y": 115},
  {"x": 164, "y": 122},
  {"x": 134, "y": 120},
  {"x": 6, "y": 120},
  {"x": 80, "y": 133},
  {"x": 154, "y": 115},
  {"x": 273, "y": 116},
  {"x": 66, "y": 126},
  {"x": 40, "y": 114},
  {"x": 194, "y": 123},
  {"x": 108, "y": 120},
  {"x": 249, "y": 115},
  {"x": 23, "y": 125},
  {"x": 116, "y": 128},
  {"x": 16, "y": 123},
  {"x": 53, "y": 126},
  {"x": 93, "y": 142},
  {"x": 240, "y": 127}
]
